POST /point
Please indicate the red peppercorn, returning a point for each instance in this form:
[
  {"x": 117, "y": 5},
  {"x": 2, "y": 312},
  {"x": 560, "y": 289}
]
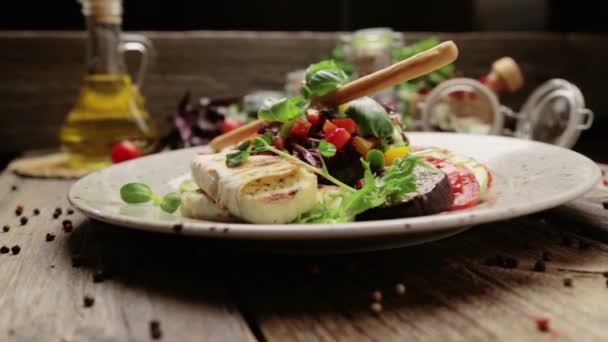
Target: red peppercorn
[{"x": 542, "y": 324}]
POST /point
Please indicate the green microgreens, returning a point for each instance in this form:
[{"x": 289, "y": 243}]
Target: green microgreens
[{"x": 137, "y": 193}]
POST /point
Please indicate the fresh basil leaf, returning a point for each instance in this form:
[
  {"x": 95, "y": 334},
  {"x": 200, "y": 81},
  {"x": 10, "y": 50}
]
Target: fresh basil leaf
[
  {"x": 236, "y": 158},
  {"x": 327, "y": 149},
  {"x": 136, "y": 193},
  {"x": 282, "y": 110},
  {"x": 370, "y": 116},
  {"x": 170, "y": 202},
  {"x": 322, "y": 78}
]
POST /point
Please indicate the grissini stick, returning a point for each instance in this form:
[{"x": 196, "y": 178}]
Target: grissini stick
[{"x": 413, "y": 67}]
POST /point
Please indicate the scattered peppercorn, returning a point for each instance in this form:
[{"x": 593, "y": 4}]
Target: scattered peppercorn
[
  {"x": 14, "y": 188},
  {"x": 547, "y": 256},
  {"x": 400, "y": 289},
  {"x": 542, "y": 324},
  {"x": 539, "y": 266},
  {"x": 155, "y": 331},
  {"x": 19, "y": 210},
  {"x": 15, "y": 249},
  {"x": 568, "y": 282},
  {"x": 56, "y": 215},
  {"x": 376, "y": 308},
  {"x": 23, "y": 220},
  {"x": 88, "y": 301},
  {"x": 605, "y": 204},
  {"x": 605, "y": 274},
  {"x": 178, "y": 228},
  {"x": 582, "y": 244},
  {"x": 67, "y": 226},
  {"x": 376, "y": 295},
  {"x": 70, "y": 211},
  {"x": 6, "y": 228},
  {"x": 36, "y": 211},
  {"x": 58, "y": 211},
  {"x": 4, "y": 249},
  {"x": 49, "y": 237}
]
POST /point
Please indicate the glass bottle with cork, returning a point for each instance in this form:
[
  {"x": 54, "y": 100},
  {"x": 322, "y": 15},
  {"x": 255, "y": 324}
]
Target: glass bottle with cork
[{"x": 110, "y": 107}]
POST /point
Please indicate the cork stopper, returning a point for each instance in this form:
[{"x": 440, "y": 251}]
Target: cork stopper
[
  {"x": 506, "y": 75},
  {"x": 103, "y": 11}
]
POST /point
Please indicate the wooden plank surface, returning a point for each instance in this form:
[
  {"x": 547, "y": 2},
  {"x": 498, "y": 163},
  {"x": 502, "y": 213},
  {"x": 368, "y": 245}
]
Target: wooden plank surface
[
  {"x": 151, "y": 278},
  {"x": 203, "y": 290},
  {"x": 42, "y": 71}
]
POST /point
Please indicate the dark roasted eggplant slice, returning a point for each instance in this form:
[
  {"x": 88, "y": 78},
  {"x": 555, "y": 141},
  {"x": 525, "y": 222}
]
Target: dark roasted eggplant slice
[{"x": 434, "y": 195}]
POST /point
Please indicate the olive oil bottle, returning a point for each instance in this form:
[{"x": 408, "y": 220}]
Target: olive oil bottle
[{"x": 110, "y": 107}]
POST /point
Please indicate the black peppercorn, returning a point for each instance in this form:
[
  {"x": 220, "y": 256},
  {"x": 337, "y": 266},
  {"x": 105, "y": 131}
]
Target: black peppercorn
[
  {"x": 605, "y": 204},
  {"x": 36, "y": 211},
  {"x": 23, "y": 220},
  {"x": 19, "y": 210},
  {"x": 58, "y": 211},
  {"x": 70, "y": 211},
  {"x": 568, "y": 282},
  {"x": 539, "y": 266},
  {"x": 6, "y": 228},
  {"x": 67, "y": 226},
  {"x": 4, "y": 249},
  {"x": 49, "y": 237},
  {"x": 16, "y": 249},
  {"x": 14, "y": 188},
  {"x": 178, "y": 228},
  {"x": 88, "y": 301},
  {"x": 155, "y": 332}
]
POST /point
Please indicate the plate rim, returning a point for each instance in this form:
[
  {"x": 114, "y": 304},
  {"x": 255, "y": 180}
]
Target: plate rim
[{"x": 360, "y": 229}]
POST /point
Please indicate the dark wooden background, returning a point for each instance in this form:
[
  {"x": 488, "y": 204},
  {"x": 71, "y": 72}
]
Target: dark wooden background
[{"x": 41, "y": 72}]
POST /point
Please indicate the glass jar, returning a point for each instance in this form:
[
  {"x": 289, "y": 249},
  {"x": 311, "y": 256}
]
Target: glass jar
[{"x": 110, "y": 107}]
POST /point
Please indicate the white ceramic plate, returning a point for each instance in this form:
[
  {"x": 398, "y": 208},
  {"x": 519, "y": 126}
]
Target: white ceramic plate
[{"x": 528, "y": 177}]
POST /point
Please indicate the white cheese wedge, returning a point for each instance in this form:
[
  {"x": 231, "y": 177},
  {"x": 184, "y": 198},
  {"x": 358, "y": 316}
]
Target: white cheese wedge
[
  {"x": 264, "y": 189},
  {"x": 197, "y": 205}
]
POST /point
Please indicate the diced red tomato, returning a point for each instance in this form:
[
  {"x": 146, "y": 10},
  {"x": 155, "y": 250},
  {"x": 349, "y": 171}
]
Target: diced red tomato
[
  {"x": 463, "y": 182},
  {"x": 125, "y": 150},
  {"x": 313, "y": 116},
  {"x": 348, "y": 124},
  {"x": 279, "y": 143},
  {"x": 339, "y": 137},
  {"x": 230, "y": 123},
  {"x": 329, "y": 127},
  {"x": 300, "y": 128}
]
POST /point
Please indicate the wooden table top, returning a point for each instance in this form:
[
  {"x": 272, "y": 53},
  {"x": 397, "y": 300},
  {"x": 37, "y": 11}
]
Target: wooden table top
[{"x": 105, "y": 283}]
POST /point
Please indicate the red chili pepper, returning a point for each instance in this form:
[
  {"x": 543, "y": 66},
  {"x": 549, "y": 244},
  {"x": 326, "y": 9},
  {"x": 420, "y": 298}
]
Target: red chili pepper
[
  {"x": 348, "y": 124},
  {"x": 313, "y": 116},
  {"x": 339, "y": 137},
  {"x": 329, "y": 127}
]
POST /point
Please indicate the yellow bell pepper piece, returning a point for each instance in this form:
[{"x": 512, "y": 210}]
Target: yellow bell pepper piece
[{"x": 392, "y": 154}]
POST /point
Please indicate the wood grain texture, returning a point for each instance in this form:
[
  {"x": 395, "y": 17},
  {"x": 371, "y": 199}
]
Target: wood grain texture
[
  {"x": 451, "y": 294},
  {"x": 41, "y": 294},
  {"x": 41, "y": 71}
]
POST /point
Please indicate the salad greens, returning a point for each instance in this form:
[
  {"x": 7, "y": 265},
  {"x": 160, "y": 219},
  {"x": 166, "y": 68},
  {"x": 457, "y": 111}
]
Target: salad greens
[
  {"x": 282, "y": 110},
  {"x": 398, "y": 180},
  {"x": 322, "y": 78},
  {"x": 137, "y": 193},
  {"x": 370, "y": 116},
  {"x": 327, "y": 149}
]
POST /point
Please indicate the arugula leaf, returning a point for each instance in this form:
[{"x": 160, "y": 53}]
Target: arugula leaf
[
  {"x": 322, "y": 78},
  {"x": 282, "y": 110},
  {"x": 370, "y": 116},
  {"x": 327, "y": 149}
]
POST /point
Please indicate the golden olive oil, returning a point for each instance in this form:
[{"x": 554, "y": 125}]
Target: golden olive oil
[{"x": 110, "y": 109}]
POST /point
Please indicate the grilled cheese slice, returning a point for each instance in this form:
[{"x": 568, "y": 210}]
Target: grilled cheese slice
[{"x": 264, "y": 189}]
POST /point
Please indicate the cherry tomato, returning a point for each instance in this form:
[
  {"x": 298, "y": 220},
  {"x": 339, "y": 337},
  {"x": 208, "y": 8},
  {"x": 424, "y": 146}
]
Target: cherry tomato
[
  {"x": 313, "y": 116},
  {"x": 463, "y": 182},
  {"x": 329, "y": 127},
  {"x": 125, "y": 150},
  {"x": 339, "y": 137},
  {"x": 230, "y": 123},
  {"x": 279, "y": 143},
  {"x": 300, "y": 128},
  {"x": 348, "y": 124}
]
